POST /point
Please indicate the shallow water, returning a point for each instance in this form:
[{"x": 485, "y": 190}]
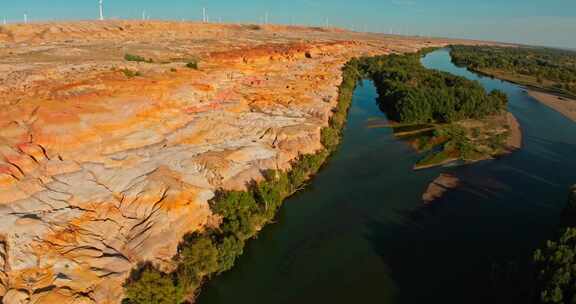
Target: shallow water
[{"x": 360, "y": 233}]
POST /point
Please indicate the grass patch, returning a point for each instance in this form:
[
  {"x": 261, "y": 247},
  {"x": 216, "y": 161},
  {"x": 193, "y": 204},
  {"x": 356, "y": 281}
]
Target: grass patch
[
  {"x": 434, "y": 158},
  {"x": 461, "y": 142}
]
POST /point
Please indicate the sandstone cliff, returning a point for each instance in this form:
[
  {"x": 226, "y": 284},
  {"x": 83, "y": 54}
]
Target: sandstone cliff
[{"x": 101, "y": 169}]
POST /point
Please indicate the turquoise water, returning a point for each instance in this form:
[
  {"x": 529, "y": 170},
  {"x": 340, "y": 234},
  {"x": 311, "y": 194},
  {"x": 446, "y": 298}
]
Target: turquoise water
[{"x": 360, "y": 233}]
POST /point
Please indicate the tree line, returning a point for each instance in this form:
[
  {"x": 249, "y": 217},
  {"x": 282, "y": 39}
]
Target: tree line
[{"x": 548, "y": 68}]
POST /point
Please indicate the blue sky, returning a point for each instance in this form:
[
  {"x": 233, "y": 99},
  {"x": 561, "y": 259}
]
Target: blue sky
[{"x": 542, "y": 22}]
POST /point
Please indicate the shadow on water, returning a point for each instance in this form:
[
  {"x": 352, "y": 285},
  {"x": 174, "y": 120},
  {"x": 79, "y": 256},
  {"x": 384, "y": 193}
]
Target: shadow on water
[{"x": 361, "y": 234}]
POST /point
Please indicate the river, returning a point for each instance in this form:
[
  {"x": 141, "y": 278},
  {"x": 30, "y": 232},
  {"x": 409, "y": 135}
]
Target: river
[{"x": 360, "y": 232}]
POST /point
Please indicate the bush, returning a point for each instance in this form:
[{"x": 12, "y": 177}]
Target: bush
[
  {"x": 556, "y": 265},
  {"x": 198, "y": 256},
  {"x": 151, "y": 286},
  {"x": 193, "y": 64},
  {"x": 130, "y": 74},
  {"x": 228, "y": 250},
  {"x": 330, "y": 138},
  {"x": 136, "y": 58}
]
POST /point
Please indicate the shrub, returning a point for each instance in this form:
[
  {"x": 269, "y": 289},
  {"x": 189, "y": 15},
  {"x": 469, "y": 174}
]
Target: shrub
[
  {"x": 136, "y": 58},
  {"x": 556, "y": 269},
  {"x": 228, "y": 250},
  {"x": 198, "y": 256},
  {"x": 151, "y": 286},
  {"x": 130, "y": 74},
  {"x": 330, "y": 138},
  {"x": 192, "y": 64}
]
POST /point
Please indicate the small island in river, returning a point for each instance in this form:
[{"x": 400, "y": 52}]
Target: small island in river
[{"x": 447, "y": 118}]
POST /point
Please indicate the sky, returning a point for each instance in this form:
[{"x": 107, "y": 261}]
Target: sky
[{"x": 535, "y": 22}]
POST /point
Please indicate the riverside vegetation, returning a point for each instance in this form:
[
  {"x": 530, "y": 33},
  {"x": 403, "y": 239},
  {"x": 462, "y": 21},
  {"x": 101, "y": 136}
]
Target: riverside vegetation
[
  {"x": 549, "y": 69},
  {"x": 556, "y": 262},
  {"x": 409, "y": 93}
]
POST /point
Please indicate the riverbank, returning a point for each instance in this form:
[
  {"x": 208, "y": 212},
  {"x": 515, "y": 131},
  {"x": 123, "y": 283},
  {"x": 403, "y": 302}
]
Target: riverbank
[
  {"x": 563, "y": 105},
  {"x": 240, "y": 216},
  {"x": 359, "y": 230},
  {"x": 514, "y": 141}
]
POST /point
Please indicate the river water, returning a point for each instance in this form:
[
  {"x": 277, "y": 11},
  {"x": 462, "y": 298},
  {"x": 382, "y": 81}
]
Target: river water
[{"x": 360, "y": 232}]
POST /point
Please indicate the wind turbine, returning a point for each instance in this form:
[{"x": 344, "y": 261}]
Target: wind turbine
[
  {"x": 266, "y": 17},
  {"x": 101, "y": 7},
  {"x": 25, "y": 18},
  {"x": 204, "y": 15}
]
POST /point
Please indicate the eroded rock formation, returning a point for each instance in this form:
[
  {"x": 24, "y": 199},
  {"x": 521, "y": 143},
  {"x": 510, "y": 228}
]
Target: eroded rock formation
[{"x": 101, "y": 170}]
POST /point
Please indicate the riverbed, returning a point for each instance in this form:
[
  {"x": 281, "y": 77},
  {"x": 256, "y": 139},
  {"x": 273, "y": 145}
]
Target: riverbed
[{"x": 360, "y": 232}]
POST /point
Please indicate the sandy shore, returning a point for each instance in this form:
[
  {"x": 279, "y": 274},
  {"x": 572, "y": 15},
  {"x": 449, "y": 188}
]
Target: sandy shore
[
  {"x": 515, "y": 140},
  {"x": 564, "y": 106}
]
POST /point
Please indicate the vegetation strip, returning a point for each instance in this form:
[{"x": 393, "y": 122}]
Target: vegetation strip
[{"x": 551, "y": 70}]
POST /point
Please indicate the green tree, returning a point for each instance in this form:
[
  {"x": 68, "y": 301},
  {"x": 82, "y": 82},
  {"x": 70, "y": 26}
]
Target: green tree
[
  {"x": 153, "y": 287},
  {"x": 556, "y": 264},
  {"x": 199, "y": 256}
]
